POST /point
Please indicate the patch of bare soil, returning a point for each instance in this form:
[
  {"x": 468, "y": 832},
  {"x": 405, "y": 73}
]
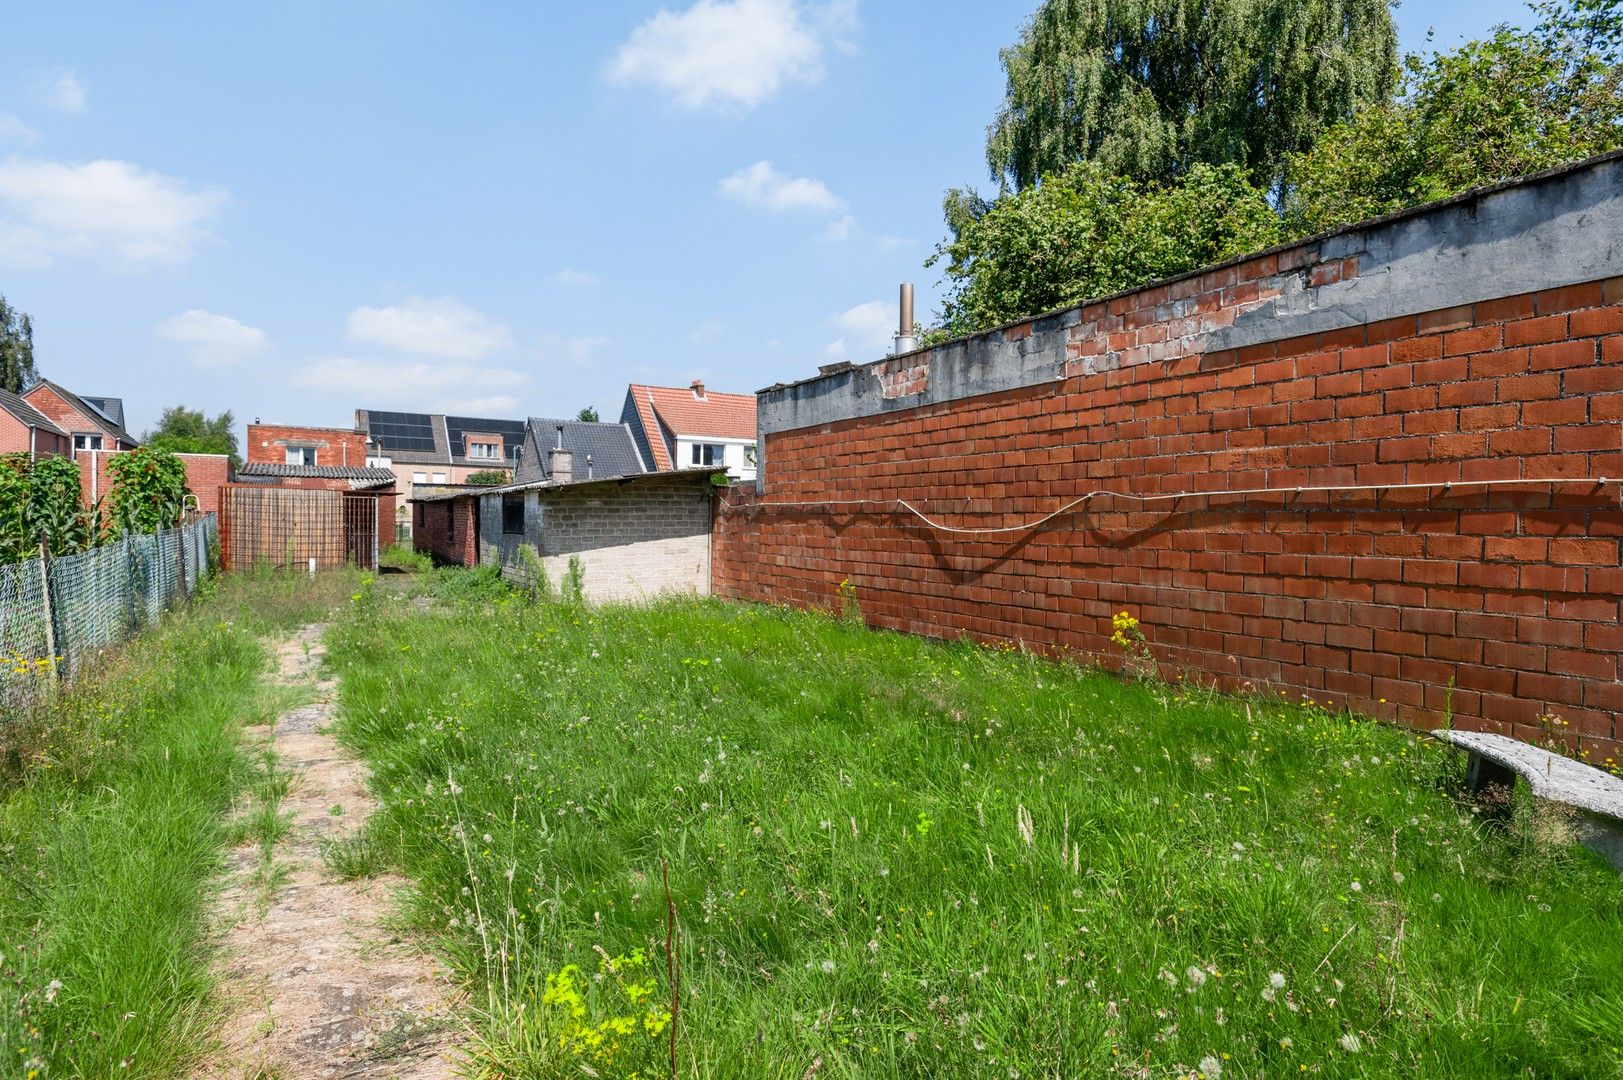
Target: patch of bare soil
[{"x": 315, "y": 982}]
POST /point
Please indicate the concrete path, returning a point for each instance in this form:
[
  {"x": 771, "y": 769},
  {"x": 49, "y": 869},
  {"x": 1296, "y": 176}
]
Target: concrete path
[{"x": 315, "y": 983}]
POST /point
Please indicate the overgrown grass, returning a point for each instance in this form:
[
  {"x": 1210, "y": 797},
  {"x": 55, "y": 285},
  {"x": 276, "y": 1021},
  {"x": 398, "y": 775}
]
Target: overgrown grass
[
  {"x": 112, "y": 823},
  {"x": 897, "y": 857},
  {"x": 407, "y": 558}
]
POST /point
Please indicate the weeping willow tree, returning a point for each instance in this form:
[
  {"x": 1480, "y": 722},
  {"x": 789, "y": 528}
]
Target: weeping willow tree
[{"x": 1148, "y": 88}]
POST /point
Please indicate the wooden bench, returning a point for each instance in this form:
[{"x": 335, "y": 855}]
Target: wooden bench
[{"x": 1597, "y": 796}]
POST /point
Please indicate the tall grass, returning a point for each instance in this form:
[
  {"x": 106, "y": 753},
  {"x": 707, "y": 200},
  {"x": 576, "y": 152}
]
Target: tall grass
[
  {"x": 897, "y": 857},
  {"x": 112, "y": 822}
]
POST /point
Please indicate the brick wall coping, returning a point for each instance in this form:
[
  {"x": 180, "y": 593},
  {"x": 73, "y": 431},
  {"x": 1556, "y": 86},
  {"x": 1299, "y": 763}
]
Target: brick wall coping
[{"x": 1550, "y": 230}]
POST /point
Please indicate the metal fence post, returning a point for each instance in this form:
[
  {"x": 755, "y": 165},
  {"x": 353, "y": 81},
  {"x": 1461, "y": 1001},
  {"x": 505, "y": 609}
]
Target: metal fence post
[
  {"x": 129, "y": 575},
  {"x": 50, "y": 606},
  {"x": 180, "y": 560}
]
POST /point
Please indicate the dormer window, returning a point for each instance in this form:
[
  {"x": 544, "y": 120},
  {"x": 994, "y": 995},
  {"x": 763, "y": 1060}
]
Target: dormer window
[
  {"x": 487, "y": 451},
  {"x": 301, "y": 455}
]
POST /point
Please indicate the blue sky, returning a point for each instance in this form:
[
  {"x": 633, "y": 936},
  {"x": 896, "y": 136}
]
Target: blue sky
[{"x": 296, "y": 210}]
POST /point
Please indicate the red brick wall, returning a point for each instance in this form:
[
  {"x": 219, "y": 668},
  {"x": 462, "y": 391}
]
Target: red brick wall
[
  {"x": 267, "y": 443},
  {"x": 445, "y": 529},
  {"x": 1378, "y": 601},
  {"x": 205, "y": 473}
]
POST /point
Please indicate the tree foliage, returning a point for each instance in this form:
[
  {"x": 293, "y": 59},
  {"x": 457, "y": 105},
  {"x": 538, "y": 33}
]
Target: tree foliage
[
  {"x": 188, "y": 431},
  {"x": 1150, "y": 88},
  {"x": 487, "y": 478},
  {"x": 17, "y": 372},
  {"x": 1083, "y": 233},
  {"x": 588, "y": 415},
  {"x": 1512, "y": 104}
]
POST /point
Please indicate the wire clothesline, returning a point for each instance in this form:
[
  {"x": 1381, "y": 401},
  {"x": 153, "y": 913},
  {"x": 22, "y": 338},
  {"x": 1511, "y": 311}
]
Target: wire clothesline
[{"x": 1299, "y": 489}]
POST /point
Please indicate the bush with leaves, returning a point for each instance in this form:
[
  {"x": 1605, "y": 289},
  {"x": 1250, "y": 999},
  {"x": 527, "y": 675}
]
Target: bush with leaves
[
  {"x": 487, "y": 478},
  {"x": 148, "y": 492},
  {"x": 1515, "y": 103},
  {"x": 1082, "y": 234}
]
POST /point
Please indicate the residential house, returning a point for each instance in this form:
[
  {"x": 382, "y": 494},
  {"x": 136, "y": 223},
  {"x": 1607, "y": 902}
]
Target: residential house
[
  {"x": 435, "y": 449},
  {"x": 26, "y": 430},
  {"x": 692, "y": 428},
  {"x": 563, "y": 450},
  {"x": 95, "y": 423},
  {"x": 95, "y": 429}
]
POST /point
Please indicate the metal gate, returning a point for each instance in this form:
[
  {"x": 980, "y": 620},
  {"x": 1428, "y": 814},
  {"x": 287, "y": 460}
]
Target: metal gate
[{"x": 294, "y": 528}]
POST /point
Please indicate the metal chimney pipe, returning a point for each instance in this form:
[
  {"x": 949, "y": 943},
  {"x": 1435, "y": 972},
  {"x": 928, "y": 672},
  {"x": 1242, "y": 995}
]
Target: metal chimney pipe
[{"x": 905, "y": 341}]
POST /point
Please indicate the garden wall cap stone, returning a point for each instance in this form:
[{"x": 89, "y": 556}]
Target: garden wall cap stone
[{"x": 1552, "y": 776}]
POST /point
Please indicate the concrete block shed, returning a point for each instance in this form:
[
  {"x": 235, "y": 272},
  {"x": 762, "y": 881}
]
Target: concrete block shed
[{"x": 637, "y": 537}]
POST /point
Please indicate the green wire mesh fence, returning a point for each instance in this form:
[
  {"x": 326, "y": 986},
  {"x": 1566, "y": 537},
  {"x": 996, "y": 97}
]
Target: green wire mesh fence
[{"x": 57, "y": 614}]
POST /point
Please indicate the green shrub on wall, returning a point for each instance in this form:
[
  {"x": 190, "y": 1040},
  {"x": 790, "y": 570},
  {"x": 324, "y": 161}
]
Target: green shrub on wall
[{"x": 149, "y": 491}]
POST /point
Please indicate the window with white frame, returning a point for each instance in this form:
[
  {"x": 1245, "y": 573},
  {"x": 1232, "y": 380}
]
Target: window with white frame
[
  {"x": 87, "y": 442},
  {"x": 705, "y": 453},
  {"x": 752, "y": 456},
  {"x": 488, "y": 451},
  {"x": 301, "y": 455},
  {"x": 439, "y": 478},
  {"x": 419, "y": 478}
]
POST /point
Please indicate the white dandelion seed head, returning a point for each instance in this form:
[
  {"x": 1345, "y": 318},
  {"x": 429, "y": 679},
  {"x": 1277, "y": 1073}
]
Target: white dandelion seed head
[
  {"x": 828, "y": 967},
  {"x": 1351, "y": 1043},
  {"x": 1195, "y": 976},
  {"x": 1356, "y": 887},
  {"x": 1210, "y": 1067},
  {"x": 1277, "y": 980}
]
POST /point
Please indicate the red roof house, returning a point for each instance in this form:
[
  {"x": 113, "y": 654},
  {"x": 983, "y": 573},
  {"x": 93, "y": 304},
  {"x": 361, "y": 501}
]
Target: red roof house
[{"x": 693, "y": 427}]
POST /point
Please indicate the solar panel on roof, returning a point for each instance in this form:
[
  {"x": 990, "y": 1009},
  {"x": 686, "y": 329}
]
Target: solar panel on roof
[{"x": 408, "y": 432}]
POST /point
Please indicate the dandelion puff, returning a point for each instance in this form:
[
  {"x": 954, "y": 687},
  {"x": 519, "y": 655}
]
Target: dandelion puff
[
  {"x": 1210, "y": 1067},
  {"x": 1277, "y": 980},
  {"x": 1350, "y": 1043},
  {"x": 1167, "y": 977},
  {"x": 1196, "y": 977},
  {"x": 52, "y": 988},
  {"x": 828, "y": 967},
  {"x": 1356, "y": 887}
]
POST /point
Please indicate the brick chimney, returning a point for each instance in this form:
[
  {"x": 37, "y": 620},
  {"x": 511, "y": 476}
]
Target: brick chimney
[
  {"x": 561, "y": 464},
  {"x": 698, "y": 389}
]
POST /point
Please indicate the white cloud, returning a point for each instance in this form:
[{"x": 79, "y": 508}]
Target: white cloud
[
  {"x": 59, "y": 89},
  {"x": 14, "y": 130},
  {"x": 840, "y": 229},
  {"x": 415, "y": 384},
  {"x": 575, "y": 351},
  {"x": 763, "y": 185},
  {"x": 709, "y": 330},
  {"x": 100, "y": 209},
  {"x": 580, "y": 279},
  {"x": 867, "y": 328},
  {"x": 445, "y": 327},
  {"x": 212, "y": 340},
  {"x": 733, "y": 52}
]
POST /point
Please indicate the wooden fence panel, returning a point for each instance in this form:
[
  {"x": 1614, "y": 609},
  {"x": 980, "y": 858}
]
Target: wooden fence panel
[{"x": 287, "y": 527}]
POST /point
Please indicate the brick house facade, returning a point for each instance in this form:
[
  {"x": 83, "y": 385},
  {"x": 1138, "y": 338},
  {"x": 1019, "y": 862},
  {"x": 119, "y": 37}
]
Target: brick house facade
[
  {"x": 291, "y": 444},
  {"x": 26, "y": 430}
]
